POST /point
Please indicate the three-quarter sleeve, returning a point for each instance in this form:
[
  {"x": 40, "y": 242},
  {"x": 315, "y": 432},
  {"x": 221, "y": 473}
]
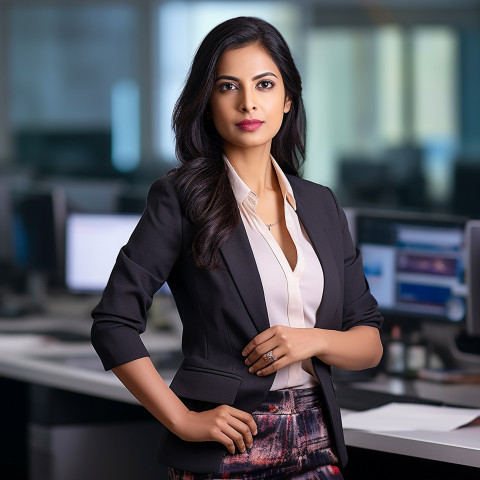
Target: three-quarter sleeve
[
  {"x": 359, "y": 305},
  {"x": 142, "y": 266}
]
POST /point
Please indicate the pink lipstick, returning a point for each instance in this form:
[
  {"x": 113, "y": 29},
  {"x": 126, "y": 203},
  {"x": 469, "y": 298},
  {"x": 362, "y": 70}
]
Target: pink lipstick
[{"x": 249, "y": 125}]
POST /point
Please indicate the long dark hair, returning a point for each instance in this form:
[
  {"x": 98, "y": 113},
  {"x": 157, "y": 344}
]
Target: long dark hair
[{"x": 201, "y": 180}]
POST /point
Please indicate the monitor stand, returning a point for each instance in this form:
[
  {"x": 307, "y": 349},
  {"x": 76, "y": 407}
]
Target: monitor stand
[
  {"x": 11, "y": 306},
  {"x": 33, "y": 300},
  {"x": 457, "y": 349}
]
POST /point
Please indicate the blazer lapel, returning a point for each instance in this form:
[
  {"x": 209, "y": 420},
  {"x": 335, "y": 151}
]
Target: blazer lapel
[
  {"x": 309, "y": 212},
  {"x": 239, "y": 258},
  {"x": 240, "y": 261}
]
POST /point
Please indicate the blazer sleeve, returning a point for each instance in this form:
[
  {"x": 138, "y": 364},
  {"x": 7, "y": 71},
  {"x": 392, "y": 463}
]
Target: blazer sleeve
[
  {"x": 359, "y": 305},
  {"x": 142, "y": 266}
]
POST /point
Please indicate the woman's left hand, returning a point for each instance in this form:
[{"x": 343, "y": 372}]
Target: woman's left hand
[{"x": 286, "y": 344}]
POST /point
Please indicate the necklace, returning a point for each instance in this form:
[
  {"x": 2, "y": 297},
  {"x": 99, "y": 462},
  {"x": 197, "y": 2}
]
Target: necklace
[{"x": 270, "y": 225}]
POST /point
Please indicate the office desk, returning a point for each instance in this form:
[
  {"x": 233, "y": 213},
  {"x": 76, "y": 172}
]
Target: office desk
[
  {"x": 62, "y": 416},
  {"x": 74, "y": 369},
  {"x": 72, "y": 366},
  {"x": 415, "y": 454},
  {"x": 460, "y": 446}
]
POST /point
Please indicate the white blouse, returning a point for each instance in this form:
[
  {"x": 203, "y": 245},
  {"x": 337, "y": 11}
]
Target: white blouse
[{"x": 292, "y": 297}]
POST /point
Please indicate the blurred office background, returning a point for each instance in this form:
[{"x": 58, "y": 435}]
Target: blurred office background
[
  {"x": 87, "y": 90},
  {"x": 391, "y": 89}
]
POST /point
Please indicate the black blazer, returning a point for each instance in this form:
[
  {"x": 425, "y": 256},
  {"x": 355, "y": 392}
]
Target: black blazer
[{"x": 222, "y": 310}]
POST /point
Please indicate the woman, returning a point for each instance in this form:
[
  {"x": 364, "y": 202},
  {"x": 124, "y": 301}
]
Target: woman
[{"x": 268, "y": 285}]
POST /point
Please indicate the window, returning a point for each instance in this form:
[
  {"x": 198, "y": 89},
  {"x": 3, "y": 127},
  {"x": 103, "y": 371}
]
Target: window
[
  {"x": 74, "y": 69},
  {"x": 370, "y": 89},
  {"x": 187, "y": 23}
]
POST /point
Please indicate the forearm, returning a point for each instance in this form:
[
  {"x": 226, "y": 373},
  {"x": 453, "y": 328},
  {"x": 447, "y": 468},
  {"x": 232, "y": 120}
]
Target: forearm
[
  {"x": 224, "y": 424},
  {"x": 147, "y": 386},
  {"x": 355, "y": 349}
]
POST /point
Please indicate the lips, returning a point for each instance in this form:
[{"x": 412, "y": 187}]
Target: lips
[{"x": 249, "y": 125}]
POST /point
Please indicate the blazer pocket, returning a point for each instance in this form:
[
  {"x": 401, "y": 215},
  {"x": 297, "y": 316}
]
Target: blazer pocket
[{"x": 206, "y": 384}]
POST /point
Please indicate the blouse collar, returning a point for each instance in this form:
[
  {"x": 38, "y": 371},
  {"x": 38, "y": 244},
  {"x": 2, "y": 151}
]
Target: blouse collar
[{"x": 243, "y": 192}]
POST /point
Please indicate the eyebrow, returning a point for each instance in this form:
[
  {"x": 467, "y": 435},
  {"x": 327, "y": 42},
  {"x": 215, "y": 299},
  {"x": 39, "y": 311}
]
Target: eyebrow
[{"x": 256, "y": 77}]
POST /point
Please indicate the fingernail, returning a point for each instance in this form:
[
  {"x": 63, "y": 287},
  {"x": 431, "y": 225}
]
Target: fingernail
[
  {"x": 250, "y": 369},
  {"x": 255, "y": 432},
  {"x": 244, "y": 353}
]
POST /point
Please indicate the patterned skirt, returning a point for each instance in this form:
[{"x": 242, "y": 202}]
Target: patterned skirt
[{"x": 292, "y": 443}]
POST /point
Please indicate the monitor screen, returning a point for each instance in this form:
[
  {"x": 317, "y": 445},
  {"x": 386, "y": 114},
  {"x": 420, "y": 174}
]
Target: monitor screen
[
  {"x": 92, "y": 243},
  {"x": 473, "y": 277},
  {"x": 6, "y": 232},
  {"x": 414, "y": 264},
  {"x": 6, "y": 223},
  {"x": 38, "y": 230}
]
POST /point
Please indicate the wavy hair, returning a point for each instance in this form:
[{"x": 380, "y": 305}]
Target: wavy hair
[{"x": 201, "y": 180}]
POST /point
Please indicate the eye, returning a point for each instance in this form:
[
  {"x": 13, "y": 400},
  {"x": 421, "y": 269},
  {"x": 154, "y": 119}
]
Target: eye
[
  {"x": 226, "y": 86},
  {"x": 265, "y": 84}
]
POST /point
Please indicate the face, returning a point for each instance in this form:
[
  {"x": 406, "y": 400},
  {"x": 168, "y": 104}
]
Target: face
[{"x": 248, "y": 100}]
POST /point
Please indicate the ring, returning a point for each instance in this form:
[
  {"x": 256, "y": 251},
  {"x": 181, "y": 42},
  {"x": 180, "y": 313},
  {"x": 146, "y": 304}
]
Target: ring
[{"x": 270, "y": 357}]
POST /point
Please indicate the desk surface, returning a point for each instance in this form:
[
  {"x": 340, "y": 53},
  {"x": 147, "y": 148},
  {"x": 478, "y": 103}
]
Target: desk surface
[
  {"x": 461, "y": 446},
  {"x": 75, "y": 367},
  {"x": 72, "y": 366}
]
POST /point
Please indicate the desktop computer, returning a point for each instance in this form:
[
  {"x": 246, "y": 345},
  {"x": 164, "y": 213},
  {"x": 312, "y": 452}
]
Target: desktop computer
[
  {"x": 414, "y": 263},
  {"x": 92, "y": 243},
  {"x": 472, "y": 276},
  {"x": 31, "y": 251},
  {"x": 421, "y": 269}
]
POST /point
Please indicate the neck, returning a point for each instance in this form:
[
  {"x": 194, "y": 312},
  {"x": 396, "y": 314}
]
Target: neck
[{"x": 255, "y": 168}]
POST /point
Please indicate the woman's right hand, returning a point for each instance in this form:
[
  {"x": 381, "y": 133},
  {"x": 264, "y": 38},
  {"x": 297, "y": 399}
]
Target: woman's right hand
[{"x": 224, "y": 424}]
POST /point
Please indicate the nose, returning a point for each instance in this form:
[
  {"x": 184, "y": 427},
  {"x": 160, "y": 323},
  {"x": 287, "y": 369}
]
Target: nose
[
  {"x": 248, "y": 108},
  {"x": 248, "y": 103}
]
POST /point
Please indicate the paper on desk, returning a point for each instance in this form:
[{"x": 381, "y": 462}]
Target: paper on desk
[{"x": 410, "y": 416}]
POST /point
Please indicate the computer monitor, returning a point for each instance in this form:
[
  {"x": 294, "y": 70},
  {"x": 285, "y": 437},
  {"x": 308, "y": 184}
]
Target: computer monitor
[
  {"x": 39, "y": 216},
  {"x": 6, "y": 232},
  {"x": 414, "y": 264},
  {"x": 76, "y": 152},
  {"x": 92, "y": 243},
  {"x": 12, "y": 182},
  {"x": 472, "y": 277},
  {"x": 37, "y": 259},
  {"x": 466, "y": 179}
]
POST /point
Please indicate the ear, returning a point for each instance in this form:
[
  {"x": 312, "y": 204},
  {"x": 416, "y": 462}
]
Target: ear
[{"x": 288, "y": 104}]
